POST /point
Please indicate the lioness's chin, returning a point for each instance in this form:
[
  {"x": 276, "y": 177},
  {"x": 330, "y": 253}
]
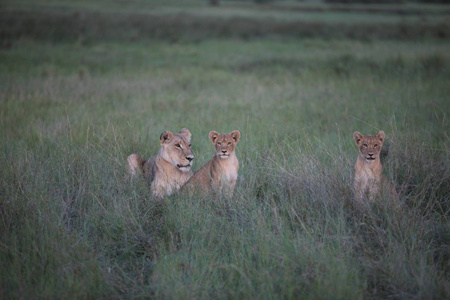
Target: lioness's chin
[
  {"x": 223, "y": 156},
  {"x": 185, "y": 169}
]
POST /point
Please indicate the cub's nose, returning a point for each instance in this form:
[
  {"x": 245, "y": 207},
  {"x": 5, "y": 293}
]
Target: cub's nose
[
  {"x": 224, "y": 151},
  {"x": 370, "y": 154},
  {"x": 189, "y": 158}
]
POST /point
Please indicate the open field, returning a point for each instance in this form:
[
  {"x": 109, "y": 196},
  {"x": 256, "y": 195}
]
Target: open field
[{"x": 76, "y": 98}]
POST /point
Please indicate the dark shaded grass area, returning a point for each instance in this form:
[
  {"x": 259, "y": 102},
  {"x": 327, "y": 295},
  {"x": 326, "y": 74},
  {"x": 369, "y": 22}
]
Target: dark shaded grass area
[
  {"x": 65, "y": 231},
  {"x": 96, "y": 26},
  {"x": 343, "y": 6}
]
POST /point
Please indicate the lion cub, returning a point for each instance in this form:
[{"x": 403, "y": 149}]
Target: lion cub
[
  {"x": 170, "y": 168},
  {"x": 368, "y": 170},
  {"x": 219, "y": 175}
]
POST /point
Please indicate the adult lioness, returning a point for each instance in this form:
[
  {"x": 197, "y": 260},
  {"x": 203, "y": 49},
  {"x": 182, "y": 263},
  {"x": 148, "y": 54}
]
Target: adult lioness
[
  {"x": 219, "y": 175},
  {"x": 368, "y": 170},
  {"x": 171, "y": 168}
]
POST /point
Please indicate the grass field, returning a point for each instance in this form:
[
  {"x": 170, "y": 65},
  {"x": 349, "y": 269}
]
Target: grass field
[{"x": 84, "y": 84}]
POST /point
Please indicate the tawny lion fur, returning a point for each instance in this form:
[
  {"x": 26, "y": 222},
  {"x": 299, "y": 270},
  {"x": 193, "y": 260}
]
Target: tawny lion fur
[
  {"x": 170, "y": 168},
  {"x": 369, "y": 180},
  {"x": 218, "y": 175}
]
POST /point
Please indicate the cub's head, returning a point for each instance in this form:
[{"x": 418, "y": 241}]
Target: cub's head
[
  {"x": 176, "y": 149},
  {"x": 369, "y": 145},
  {"x": 225, "y": 143}
]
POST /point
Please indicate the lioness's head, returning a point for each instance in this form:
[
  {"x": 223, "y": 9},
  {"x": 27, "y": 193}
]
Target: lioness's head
[
  {"x": 225, "y": 143},
  {"x": 176, "y": 149},
  {"x": 369, "y": 145}
]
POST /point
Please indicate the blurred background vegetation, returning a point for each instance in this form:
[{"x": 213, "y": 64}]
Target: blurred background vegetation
[{"x": 129, "y": 21}]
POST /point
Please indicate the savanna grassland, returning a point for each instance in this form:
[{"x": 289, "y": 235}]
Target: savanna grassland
[{"x": 83, "y": 84}]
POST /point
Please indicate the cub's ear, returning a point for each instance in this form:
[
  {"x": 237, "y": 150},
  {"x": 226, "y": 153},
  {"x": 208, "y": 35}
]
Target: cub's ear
[
  {"x": 236, "y": 135},
  {"x": 213, "y": 135},
  {"x": 166, "y": 137},
  {"x": 357, "y": 136},
  {"x": 381, "y": 136},
  {"x": 186, "y": 133}
]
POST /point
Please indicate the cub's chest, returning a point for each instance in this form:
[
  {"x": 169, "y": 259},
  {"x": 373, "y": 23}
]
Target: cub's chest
[
  {"x": 229, "y": 171},
  {"x": 230, "y": 174},
  {"x": 367, "y": 176}
]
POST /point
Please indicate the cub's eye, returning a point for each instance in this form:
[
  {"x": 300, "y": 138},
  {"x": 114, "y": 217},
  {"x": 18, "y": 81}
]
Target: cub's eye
[
  {"x": 365, "y": 145},
  {"x": 375, "y": 145},
  {"x": 219, "y": 143},
  {"x": 178, "y": 146},
  {"x": 190, "y": 146},
  {"x": 229, "y": 143}
]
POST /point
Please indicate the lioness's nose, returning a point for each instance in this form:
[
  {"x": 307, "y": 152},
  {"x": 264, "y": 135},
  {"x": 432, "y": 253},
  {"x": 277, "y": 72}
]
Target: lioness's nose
[
  {"x": 224, "y": 151},
  {"x": 370, "y": 154},
  {"x": 189, "y": 158}
]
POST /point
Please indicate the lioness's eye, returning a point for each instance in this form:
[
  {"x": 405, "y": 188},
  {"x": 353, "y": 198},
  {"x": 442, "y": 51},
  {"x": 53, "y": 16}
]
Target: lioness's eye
[
  {"x": 190, "y": 146},
  {"x": 365, "y": 145},
  {"x": 375, "y": 145},
  {"x": 229, "y": 143},
  {"x": 178, "y": 146},
  {"x": 219, "y": 143}
]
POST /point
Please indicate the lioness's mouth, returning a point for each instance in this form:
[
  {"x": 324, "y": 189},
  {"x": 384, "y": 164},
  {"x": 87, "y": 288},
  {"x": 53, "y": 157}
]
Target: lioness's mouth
[
  {"x": 370, "y": 158},
  {"x": 183, "y": 166}
]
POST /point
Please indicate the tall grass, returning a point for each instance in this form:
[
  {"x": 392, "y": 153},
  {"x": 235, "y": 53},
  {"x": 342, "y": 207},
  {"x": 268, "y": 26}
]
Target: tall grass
[{"x": 73, "y": 225}]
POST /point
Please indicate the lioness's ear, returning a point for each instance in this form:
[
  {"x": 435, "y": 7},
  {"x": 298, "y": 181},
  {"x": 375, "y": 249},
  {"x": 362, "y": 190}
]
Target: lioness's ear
[
  {"x": 381, "y": 136},
  {"x": 236, "y": 135},
  {"x": 357, "y": 136},
  {"x": 213, "y": 135},
  {"x": 166, "y": 136},
  {"x": 186, "y": 133}
]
